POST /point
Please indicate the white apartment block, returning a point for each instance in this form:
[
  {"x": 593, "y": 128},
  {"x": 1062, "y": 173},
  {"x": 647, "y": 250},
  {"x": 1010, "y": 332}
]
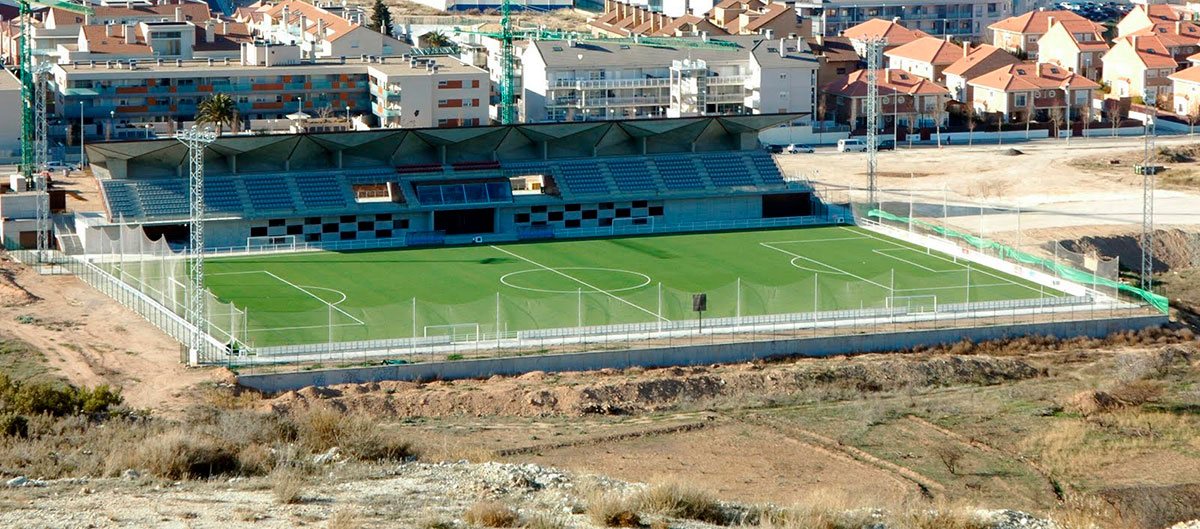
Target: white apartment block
[
  {"x": 433, "y": 92},
  {"x": 579, "y": 82},
  {"x": 961, "y": 19}
]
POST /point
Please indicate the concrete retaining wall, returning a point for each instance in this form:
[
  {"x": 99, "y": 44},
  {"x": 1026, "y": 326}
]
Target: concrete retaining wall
[{"x": 690, "y": 355}]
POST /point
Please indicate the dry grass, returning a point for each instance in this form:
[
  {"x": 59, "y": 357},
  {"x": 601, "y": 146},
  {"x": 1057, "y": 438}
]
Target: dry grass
[
  {"x": 611, "y": 509},
  {"x": 322, "y": 427},
  {"x": 678, "y": 500},
  {"x": 821, "y": 509},
  {"x": 344, "y": 518},
  {"x": 1083, "y": 512},
  {"x": 543, "y": 521},
  {"x": 178, "y": 455},
  {"x": 287, "y": 484},
  {"x": 490, "y": 514}
]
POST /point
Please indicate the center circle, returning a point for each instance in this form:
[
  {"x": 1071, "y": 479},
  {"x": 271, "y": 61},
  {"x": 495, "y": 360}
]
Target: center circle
[{"x": 599, "y": 279}]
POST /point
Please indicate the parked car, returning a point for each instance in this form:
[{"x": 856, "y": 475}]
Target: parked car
[
  {"x": 796, "y": 148},
  {"x": 773, "y": 149},
  {"x": 851, "y": 145},
  {"x": 886, "y": 145},
  {"x": 60, "y": 166}
]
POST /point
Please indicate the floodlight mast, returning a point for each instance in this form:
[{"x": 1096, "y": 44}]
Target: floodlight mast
[
  {"x": 1147, "y": 277},
  {"x": 196, "y": 141},
  {"x": 874, "y": 49}
]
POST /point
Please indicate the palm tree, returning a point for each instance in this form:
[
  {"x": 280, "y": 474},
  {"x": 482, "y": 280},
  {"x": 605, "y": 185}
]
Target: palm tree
[
  {"x": 218, "y": 110},
  {"x": 437, "y": 39}
]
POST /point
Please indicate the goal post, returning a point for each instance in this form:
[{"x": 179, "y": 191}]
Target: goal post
[
  {"x": 457, "y": 332},
  {"x": 271, "y": 242},
  {"x": 632, "y": 224},
  {"x": 921, "y": 303}
]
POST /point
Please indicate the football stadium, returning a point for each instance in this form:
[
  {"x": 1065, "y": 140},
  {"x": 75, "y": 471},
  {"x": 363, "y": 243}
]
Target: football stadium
[{"x": 436, "y": 244}]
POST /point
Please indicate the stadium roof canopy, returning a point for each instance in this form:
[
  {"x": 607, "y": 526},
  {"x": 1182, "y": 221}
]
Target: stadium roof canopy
[{"x": 391, "y": 147}]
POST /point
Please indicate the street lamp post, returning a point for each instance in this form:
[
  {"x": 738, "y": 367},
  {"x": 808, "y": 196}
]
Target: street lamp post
[
  {"x": 82, "y": 159},
  {"x": 112, "y": 122}
]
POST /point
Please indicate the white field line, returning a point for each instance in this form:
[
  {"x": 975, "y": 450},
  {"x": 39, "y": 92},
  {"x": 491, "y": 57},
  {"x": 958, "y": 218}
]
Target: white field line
[
  {"x": 982, "y": 270},
  {"x": 959, "y": 287},
  {"x": 318, "y": 298},
  {"x": 860, "y": 278},
  {"x": 597, "y": 289},
  {"x": 818, "y": 240},
  {"x": 913, "y": 263}
]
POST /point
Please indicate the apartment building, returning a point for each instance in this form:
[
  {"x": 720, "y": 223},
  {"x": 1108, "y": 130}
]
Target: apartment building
[
  {"x": 1140, "y": 65},
  {"x": 964, "y": 19},
  {"x": 269, "y": 82},
  {"x": 1032, "y": 91},
  {"x": 927, "y": 57},
  {"x": 433, "y": 92},
  {"x": 1185, "y": 92},
  {"x": 10, "y": 129},
  {"x": 156, "y": 40},
  {"x": 1078, "y": 50},
  {"x": 892, "y": 32},
  {"x": 587, "y": 81},
  {"x": 1020, "y": 34},
  {"x": 904, "y": 99},
  {"x": 57, "y": 27},
  {"x": 981, "y": 60}
]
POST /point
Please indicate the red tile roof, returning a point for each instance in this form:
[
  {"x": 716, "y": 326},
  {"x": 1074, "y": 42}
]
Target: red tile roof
[
  {"x": 981, "y": 60},
  {"x": 1039, "y": 22},
  {"x": 893, "y": 33},
  {"x": 854, "y": 84},
  {"x": 929, "y": 50},
  {"x": 1190, "y": 75},
  {"x": 1031, "y": 76}
]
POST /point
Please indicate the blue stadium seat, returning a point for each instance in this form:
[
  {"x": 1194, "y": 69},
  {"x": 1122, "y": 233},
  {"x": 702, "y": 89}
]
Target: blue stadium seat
[
  {"x": 163, "y": 198},
  {"x": 221, "y": 196},
  {"x": 122, "y": 199},
  {"x": 678, "y": 172},
  {"x": 321, "y": 191},
  {"x": 727, "y": 170},
  {"x": 768, "y": 171},
  {"x": 584, "y": 177},
  {"x": 632, "y": 175},
  {"x": 269, "y": 192}
]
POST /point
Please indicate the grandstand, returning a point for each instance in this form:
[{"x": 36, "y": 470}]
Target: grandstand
[{"x": 495, "y": 183}]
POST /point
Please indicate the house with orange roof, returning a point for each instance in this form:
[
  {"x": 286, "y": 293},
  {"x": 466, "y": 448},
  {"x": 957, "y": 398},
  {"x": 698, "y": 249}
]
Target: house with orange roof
[
  {"x": 1032, "y": 91},
  {"x": 1185, "y": 92},
  {"x": 1144, "y": 16},
  {"x": 1140, "y": 65},
  {"x": 960, "y": 19},
  {"x": 927, "y": 56},
  {"x": 892, "y": 32},
  {"x": 981, "y": 59},
  {"x": 157, "y": 41},
  {"x": 320, "y": 33},
  {"x": 903, "y": 97},
  {"x": 1074, "y": 47},
  {"x": 622, "y": 18},
  {"x": 1020, "y": 34}
]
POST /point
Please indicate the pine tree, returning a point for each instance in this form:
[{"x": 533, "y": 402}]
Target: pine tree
[{"x": 381, "y": 18}]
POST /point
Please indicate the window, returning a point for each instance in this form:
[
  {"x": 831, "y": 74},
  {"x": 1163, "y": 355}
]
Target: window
[{"x": 1019, "y": 100}]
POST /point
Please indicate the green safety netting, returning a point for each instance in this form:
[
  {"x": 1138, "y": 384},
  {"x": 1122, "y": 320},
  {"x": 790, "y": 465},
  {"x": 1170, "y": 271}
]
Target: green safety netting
[{"x": 1157, "y": 301}]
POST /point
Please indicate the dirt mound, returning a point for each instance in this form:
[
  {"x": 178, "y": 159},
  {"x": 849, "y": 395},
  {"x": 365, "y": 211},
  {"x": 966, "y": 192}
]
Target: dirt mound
[
  {"x": 640, "y": 391},
  {"x": 12, "y": 294},
  {"x": 1011, "y": 152},
  {"x": 1091, "y": 402},
  {"x": 1173, "y": 248},
  {"x": 1154, "y": 507}
]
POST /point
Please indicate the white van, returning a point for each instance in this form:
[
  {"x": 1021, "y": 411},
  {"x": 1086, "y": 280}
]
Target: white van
[{"x": 852, "y": 145}]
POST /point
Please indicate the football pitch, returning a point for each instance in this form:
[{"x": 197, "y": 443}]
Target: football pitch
[{"x": 470, "y": 291}]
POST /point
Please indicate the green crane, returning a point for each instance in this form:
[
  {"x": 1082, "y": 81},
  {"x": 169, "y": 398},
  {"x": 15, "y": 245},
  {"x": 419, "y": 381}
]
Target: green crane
[
  {"x": 28, "y": 83},
  {"x": 508, "y": 35}
]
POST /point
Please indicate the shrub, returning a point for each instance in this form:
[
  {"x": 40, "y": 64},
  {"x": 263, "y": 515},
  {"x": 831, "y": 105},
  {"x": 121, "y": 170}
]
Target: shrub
[
  {"x": 287, "y": 484},
  {"x": 320, "y": 428},
  {"x": 13, "y": 425},
  {"x": 613, "y": 510},
  {"x": 490, "y": 514},
  {"x": 36, "y": 398},
  {"x": 100, "y": 399},
  {"x": 177, "y": 455},
  {"x": 677, "y": 500}
]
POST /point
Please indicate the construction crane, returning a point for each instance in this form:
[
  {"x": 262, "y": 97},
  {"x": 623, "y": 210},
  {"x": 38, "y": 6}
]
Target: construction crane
[
  {"x": 508, "y": 35},
  {"x": 34, "y": 125}
]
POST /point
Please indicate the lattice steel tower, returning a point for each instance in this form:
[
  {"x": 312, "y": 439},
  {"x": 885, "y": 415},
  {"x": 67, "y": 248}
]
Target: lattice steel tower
[
  {"x": 41, "y": 157},
  {"x": 196, "y": 141},
  {"x": 874, "y": 50},
  {"x": 1147, "y": 279}
]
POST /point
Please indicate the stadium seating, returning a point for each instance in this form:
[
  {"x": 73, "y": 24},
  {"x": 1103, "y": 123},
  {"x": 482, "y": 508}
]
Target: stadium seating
[
  {"x": 584, "y": 177},
  {"x": 631, "y": 175},
  {"x": 727, "y": 169},
  {"x": 221, "y": 195},
  {"x": 678, "y": 172},
  {"x": 122, "y": 199},
  {"x": 768, "y": 172},
  {"x": 269, "y": 192},
  {"x": 321, "y": 191},
  {"x": 163, "y": 198}
]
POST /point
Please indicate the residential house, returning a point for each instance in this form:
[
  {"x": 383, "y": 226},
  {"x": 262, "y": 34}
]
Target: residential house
[
  {"x": 892, "y": 32},
  {"x": 1074, "y": 47},
  {"x": 904, "y": 99},
  {"x": 962, "y": 19},
  {"x": 1019, "y": 34},
  {"x": 156, "y": 41},
  {"x": 1142, "y": 16},
  {"x": 1140, "y": 65},
  {"x": 1032, "y": 91},
  {"x": 320, "y": 33},
  {"x": 1185, "y": 92},
  {"x": 622, "y": 18},
  {"x": 982, "y": 59},
  {"x": 927, "y": 56},
  {"x": 836, "y": 56}
]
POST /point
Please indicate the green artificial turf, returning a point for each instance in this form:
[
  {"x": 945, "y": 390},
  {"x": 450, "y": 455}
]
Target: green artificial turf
[{"x": 368, "y": 295}]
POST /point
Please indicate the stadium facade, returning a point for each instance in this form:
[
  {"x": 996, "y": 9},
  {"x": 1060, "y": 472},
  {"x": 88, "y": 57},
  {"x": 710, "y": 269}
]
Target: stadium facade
[{"x": 408, "y": 187}]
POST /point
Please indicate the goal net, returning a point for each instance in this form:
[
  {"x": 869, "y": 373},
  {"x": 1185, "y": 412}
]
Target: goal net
[
  {"x": 271, "y": 242},
  {"x": 457, "y": 332},
  {"x": 632, "y": 224},
  {"x": 913, "y": 304}
]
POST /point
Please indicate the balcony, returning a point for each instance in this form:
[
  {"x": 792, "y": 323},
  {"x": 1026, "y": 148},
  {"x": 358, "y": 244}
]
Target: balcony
[
  {"x": 751, "y": 101},
  {"x": 602, "y": 84},
  {"x": 724, "y": 98},
  {"x": 723, "y": 80},
  {"x": 601, "y": 102}
]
